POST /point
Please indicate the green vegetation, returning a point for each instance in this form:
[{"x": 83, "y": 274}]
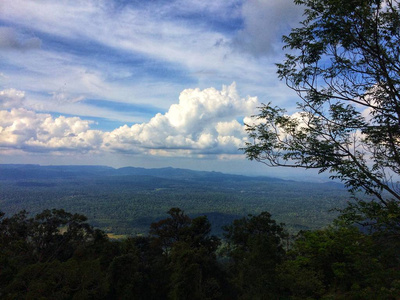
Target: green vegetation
[
  {"x": 57, "y": 255},
  {"x": 128, "y": 203}
]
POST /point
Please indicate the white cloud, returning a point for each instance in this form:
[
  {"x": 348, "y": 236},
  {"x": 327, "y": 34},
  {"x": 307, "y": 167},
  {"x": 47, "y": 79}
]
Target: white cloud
[
  {"x": 30, "y": 131},
  {"x": 204, "y": 121}
]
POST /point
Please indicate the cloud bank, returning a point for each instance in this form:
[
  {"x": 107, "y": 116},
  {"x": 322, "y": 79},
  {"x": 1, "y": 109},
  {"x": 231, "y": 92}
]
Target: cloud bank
[{"x": 202, "y": 122}]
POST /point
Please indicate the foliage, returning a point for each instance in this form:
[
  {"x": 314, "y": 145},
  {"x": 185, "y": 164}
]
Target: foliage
[
  {"x": 340, "y": 262},
  {"x": 344, "y": 65},
  {"x": 190, "y": 254},
  {"x": 137, "y": 271},
  {"x": 255, "y": 247},
  {"x": 38, "y": 256},
  {"x": 179, "y": 260}
]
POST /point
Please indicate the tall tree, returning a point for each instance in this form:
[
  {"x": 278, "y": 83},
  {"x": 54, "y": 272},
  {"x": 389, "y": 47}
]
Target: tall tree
[
  {"x": 255, "y": 248},
  {"x": 190, "y": 253},
  {"x": 343, "y": 62}
]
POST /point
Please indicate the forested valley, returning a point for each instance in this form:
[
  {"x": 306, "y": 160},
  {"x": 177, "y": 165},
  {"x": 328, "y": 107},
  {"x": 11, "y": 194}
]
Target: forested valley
[
  {"x": 181, "y": 234},
  {"x": 78, "y": 232},
  {"x": 125, "y": 201}
]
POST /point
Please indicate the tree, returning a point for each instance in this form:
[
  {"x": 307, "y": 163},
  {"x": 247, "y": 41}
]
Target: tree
[
  {"x": 54, "y": 254},
  {"x": 339, "y": 262},
  {"x": 137, "y": 272},
  {"x": 57, "y": 234},
  {"x": 171, "y": 230},
  {"x": 190, "y": 254},
  {"x": 344, "y": 65},
  {"x": 255, "y": 247}
]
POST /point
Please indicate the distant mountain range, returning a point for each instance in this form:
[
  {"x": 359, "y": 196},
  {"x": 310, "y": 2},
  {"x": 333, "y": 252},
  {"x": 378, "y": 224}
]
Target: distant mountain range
[{"x": 35, "y": 172}]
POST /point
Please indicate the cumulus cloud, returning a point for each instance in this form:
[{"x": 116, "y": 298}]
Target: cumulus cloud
[
  {"x": 30, "y": 131},
  {"x": 204, "y": 121},
  {"x": 10, "y": 39},
  {"x": 265, "y": 22}
]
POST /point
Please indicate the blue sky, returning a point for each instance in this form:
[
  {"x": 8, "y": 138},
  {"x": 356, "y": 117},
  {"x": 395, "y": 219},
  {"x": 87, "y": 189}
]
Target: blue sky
[{"x": 138, "y": 83}]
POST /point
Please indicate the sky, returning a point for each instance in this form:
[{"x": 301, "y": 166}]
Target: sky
[{"x": 139, "y": 83}]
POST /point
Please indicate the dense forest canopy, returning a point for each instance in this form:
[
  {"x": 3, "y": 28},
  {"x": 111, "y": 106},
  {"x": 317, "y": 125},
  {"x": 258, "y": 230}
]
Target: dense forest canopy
[
  {"x": 58, "y": 255},
  {"x": 125, "y": 201}
]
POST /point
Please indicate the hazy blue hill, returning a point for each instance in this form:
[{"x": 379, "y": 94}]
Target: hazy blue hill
[
  {"x": 186, "y": 174},
  {"x": 20, "y": 172},
  {"x": 182, "y": 174},
  {"x": 25, "y": 172}
]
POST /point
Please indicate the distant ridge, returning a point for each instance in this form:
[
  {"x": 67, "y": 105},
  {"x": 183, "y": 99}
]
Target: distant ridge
[
  {"x": 25, "y": 172},
  {"x": 32, "y": 172}
]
